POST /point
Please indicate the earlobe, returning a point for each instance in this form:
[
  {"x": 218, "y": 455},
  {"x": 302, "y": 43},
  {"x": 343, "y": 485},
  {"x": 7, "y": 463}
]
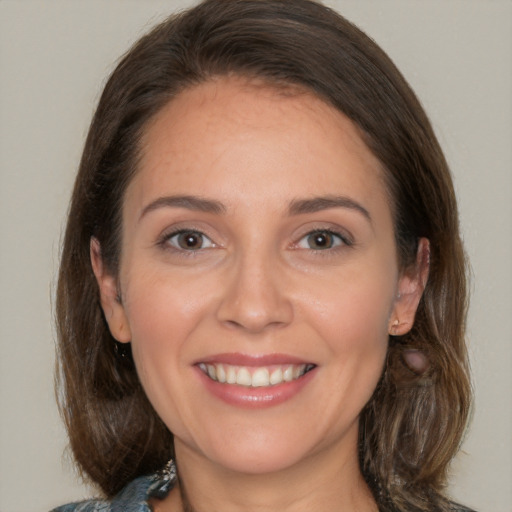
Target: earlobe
[
  {"x": 410, "y": 290},
  {"x": 111, "y": 303}
]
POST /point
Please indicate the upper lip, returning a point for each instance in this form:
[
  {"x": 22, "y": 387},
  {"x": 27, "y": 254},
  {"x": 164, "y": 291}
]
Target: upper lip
[{"x": 238, "y": 359}]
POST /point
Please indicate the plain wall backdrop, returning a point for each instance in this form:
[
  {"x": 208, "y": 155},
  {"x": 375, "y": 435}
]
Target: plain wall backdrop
[{"x": 54, "y": 58}]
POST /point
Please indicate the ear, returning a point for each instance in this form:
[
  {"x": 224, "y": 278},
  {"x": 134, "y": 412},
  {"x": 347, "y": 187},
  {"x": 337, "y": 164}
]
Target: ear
[
  {"x": 411, "y": 285},
  {"x": 111, "y": 304}
]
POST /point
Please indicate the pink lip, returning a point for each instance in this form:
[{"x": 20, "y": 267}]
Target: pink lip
[
  {"x": 254, "y": 398},
  {"x": 237, "y": 359}
]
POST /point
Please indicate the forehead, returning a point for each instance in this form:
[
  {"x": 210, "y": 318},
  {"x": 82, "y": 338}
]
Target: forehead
[{"x": 241, "y": 141}]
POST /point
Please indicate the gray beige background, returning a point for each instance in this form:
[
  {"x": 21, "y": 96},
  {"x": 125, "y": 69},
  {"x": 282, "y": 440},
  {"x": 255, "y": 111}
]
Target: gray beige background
[{"x": 54, "y": 57}]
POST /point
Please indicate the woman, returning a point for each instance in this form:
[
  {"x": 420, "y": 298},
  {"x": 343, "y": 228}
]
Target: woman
[{"x": 254, "y": 304}]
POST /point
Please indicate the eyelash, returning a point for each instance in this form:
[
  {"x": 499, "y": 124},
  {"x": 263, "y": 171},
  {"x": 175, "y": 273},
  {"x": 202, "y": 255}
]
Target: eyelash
[
  {"x": 165, "y": 241},
  {"x": 340, "y": 241}
]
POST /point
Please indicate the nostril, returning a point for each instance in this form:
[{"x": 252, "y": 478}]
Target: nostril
[{"x": 232, "y": 323}]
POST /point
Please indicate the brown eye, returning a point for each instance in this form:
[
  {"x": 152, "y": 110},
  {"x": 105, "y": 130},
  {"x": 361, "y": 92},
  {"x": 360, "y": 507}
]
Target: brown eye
[
  {"x": 190, "y": 241},
  {"x": 321, "y": 240}
]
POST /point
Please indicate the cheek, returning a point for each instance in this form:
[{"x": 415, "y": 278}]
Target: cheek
[
  {"x": 162, "y": 306},
  {"x": 352, "y": 310},
  {"x": 162, "y": 314},
  {"x": 351, "y": 316},
  {"x": 357, "y": 337}
]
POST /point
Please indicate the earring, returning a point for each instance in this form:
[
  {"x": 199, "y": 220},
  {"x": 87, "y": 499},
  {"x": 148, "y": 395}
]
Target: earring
[
  {"x": 168, "y": 473},
  {"x": 394, "y": 326},
  {"x": 165, "y": 480},
  {"x": 123, "y": 354}
]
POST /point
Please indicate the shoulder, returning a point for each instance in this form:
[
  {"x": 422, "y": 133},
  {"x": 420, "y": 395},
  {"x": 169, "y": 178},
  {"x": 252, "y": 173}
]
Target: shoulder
[
  {"x": 84, "y": 506},
  {"x": 133, "y": 498}
]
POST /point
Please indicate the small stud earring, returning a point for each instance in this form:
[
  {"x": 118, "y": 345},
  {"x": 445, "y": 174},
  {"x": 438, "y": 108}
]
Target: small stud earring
[{"x": 394, "y": 326}]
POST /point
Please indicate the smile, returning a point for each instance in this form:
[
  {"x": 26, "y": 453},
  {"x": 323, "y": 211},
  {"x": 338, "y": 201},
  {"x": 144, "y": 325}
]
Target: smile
[{"x": 254, "y": 377}]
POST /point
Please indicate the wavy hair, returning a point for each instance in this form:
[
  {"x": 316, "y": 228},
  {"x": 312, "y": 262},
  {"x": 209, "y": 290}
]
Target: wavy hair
[{"x": 413, "y": 424}]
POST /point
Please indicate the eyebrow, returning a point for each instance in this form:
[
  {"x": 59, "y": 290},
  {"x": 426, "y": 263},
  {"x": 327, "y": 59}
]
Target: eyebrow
[
  {"x": 188, "y": 202},
  {"x": 296, "y": 207},
  {"x": 317, "y": 204}
]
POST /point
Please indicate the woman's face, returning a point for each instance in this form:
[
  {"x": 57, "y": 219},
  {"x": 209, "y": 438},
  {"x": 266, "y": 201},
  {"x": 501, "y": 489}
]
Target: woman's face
[{"x": 258, "y": 275}]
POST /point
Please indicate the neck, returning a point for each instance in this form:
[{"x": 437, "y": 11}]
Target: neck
[{"x": 327, "y": 481}]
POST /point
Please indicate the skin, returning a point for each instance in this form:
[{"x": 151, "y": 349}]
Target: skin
[{"x": 257, "y": 286}]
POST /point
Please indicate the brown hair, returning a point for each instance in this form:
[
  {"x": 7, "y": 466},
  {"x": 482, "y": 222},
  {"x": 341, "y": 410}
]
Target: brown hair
[{"x": 413, "y": 425}]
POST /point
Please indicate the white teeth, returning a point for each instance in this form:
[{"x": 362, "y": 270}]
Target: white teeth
[
  {"x": 288, "y": 374},
  {"x": 276, "y": 376},
  {"x": 260, "y": 378},
  {"x": 221, "y": 374},
  {"x": 244, "y": 377},
  {"x": 298, "y": 371},
  {"x": 231, "y": 375},
  {"x": 254, "y": 377}
]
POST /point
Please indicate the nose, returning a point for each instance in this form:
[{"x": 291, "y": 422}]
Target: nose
[{"x": 255, "y": 298}]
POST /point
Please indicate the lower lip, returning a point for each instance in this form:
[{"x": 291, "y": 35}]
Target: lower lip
[{"x": 255, "y": 398}]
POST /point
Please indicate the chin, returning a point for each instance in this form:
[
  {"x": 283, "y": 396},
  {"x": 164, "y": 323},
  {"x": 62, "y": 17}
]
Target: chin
[{"x": 257, "y": 461}]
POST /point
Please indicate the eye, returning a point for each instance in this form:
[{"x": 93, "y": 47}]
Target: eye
[
  {"x": 321, "y": 240},
  {"x": 189, "y": 240}
]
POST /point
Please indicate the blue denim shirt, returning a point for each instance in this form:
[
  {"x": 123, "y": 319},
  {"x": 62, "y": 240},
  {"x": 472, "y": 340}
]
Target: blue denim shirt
[
  {"x": 133, "y": 498},
  {"x": 136, "y": 495}
]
